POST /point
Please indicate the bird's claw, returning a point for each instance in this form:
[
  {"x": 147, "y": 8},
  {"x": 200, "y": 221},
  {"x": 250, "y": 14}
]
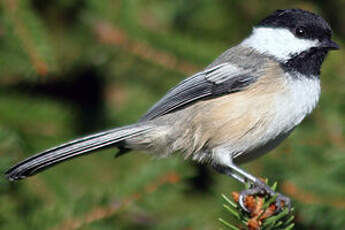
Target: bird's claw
[
  {"x": 286, "y": 201},
  {"x": 260, "y": 188},
  {"x": 244, "y": 194}
]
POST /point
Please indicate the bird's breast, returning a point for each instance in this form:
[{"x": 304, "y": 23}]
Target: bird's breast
[
  {"x": 252, "y": 122},
  {"x": 275, "y": 116}
]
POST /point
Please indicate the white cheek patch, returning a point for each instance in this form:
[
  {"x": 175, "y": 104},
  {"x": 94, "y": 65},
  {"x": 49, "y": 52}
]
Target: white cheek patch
[{"x": 278, "y": 42}]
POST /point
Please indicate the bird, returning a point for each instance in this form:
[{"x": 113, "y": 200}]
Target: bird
[{"x": 242, "y": 105}]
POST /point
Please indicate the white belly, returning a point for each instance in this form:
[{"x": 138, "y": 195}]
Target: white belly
[{"x": 290, "y": 108}]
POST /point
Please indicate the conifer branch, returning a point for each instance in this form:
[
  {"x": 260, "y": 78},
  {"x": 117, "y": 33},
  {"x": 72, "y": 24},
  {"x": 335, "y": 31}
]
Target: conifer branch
[
  {"x": 102, "y": 212},
  {"x": 262, "y": 214},
  {"x": 16, "y": 13},
  {"x": 110, "y": 34}
]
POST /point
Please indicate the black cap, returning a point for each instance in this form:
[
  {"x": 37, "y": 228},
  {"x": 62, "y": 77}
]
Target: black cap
[{"x": 302, "y": 23}]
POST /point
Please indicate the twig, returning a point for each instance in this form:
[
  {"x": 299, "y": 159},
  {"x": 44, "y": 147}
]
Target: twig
[
  {"x": 111, "y": 35},
  {"x": 11, "y": 6},
  {"x": 305, "y": 197},
  {"x": 99, "y": 213}
]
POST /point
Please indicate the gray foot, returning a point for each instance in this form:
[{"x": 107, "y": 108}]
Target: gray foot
[{"x": 260, "y": 188}]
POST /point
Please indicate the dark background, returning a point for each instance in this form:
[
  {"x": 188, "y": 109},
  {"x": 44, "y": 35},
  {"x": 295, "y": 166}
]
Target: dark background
[{"x": 72, "y": 67}]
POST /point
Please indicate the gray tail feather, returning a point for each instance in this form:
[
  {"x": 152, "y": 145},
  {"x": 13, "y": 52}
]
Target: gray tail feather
[{"x": 75, "y": 148}]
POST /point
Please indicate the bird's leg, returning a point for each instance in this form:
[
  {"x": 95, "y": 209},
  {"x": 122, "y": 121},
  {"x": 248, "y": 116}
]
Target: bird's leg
[{"x": 257, "y": 187}]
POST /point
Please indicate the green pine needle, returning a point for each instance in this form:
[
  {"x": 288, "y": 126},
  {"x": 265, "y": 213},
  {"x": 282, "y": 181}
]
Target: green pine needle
[
  {"x": 232, "y": 211},
  {"x": 230, "y": 226},
  {"x": 229, "y": 201}
]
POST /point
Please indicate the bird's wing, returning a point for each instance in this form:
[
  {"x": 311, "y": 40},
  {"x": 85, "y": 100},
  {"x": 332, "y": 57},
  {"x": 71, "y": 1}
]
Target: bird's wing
[{"x": 214, "y": 82}]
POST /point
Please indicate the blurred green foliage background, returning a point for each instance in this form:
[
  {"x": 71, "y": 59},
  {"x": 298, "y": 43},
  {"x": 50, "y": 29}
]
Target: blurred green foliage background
[{"x": 72, "y": 67}]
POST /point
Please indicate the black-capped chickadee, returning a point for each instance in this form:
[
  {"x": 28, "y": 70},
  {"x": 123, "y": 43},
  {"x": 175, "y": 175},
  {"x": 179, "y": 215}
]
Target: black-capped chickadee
[{"x": 239, "y": 107}]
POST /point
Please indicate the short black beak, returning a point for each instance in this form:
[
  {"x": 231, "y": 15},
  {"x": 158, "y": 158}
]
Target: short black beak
[{"x": 329, "y": 44}]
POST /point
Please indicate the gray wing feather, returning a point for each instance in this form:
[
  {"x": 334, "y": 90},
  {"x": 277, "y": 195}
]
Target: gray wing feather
[{"x": 216, "y": 81}]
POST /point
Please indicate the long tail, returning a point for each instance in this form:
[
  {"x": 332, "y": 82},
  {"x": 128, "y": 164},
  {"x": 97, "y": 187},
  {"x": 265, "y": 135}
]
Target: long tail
[{"x": 75, "y": 148}]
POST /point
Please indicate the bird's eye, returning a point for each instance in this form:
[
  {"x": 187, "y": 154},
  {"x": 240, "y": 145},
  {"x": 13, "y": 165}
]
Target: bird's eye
[{"x": 300, "y": 32}]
